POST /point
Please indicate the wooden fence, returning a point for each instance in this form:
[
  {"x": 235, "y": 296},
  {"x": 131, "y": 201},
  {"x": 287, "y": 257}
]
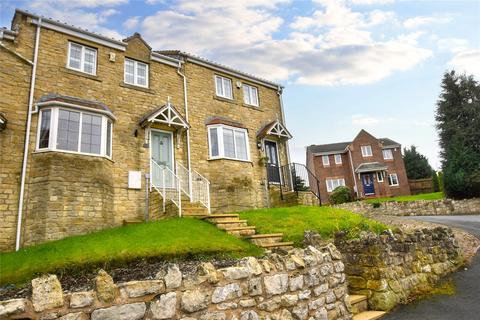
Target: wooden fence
[{"x": 421, "y": 185}]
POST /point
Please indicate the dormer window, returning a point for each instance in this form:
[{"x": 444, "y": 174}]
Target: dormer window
[
  {"x": 136, "y": 73},
  {"x": 82, "y": 58},
  {"x": 366, "y": 151}
]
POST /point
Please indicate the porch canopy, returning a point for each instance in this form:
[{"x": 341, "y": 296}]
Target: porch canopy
[
  {"x": 3, "y": 122},
  {"x": 274, "y": 128},
  {"x": 166, "y": 114},
  {"x": 370, "y": 167}
]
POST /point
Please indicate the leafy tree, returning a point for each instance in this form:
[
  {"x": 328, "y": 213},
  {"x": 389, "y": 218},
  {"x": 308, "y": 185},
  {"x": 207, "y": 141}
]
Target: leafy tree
[
  {"x": 300, "y": 184},
  {"x": 435, "y": 181},
  {"x": 458, "y": 125},
  {"x": 416, "y": 164}
]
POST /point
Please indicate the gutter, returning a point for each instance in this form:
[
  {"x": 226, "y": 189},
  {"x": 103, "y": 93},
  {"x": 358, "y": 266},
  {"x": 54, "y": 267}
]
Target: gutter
[
  {"x": 185, "y": 99},
  {"x": 27, "y": 137}
]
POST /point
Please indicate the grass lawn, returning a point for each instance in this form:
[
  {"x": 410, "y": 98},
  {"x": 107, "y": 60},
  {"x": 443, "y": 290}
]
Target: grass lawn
[
  {"x": 172, "y": 238},
  {"x": 292, "y": 222},
  {"x": 424, "y": 196}
]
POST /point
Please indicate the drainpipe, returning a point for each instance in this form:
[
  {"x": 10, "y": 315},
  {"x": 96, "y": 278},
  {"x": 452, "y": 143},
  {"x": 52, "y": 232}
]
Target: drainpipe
[
  {"x": 353, "y": 171},
  {"x": 27, "y": 137},
  {"x": 185, "y": 99},
  {"x": 279, "y": 92}
]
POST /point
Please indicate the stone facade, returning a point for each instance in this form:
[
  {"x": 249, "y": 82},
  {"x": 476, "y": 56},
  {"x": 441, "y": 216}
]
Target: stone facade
[
  {"x": 303, "y": 284},
  {"x": 394, "y": 268},
  {"x": 352, "y": 161},
  {"x": 67, "y": 194},
  {"x": 415, "y": 208}
]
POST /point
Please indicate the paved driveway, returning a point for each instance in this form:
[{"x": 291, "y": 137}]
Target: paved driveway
[{"x": 465, "y": 304}]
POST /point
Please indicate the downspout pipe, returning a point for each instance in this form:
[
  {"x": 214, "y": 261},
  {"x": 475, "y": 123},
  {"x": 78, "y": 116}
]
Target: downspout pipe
[
  {"x": 185, "y": 99},
  {"x": 27, "y": 138},
  {"x": 279, "y": 92}
]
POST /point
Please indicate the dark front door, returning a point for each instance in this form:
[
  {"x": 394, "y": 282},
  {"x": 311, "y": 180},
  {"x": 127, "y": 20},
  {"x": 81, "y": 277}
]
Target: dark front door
[
  {"x": 273, "y": 164},
  {"x": 367, "y": 181}
]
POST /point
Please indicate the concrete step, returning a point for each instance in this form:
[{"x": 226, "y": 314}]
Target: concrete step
[
  {"x": 283, "y": 245},
  {"x": 241, "y": 231},
  {"x": 359, "y": 303},
  {"x": 231, "y": 224},
  {"x": 217, "y": 218},
  {"x": 369, "y": 315},
  {"x": 260, "y": 239}
]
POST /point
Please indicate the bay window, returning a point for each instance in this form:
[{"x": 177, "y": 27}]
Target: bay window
[
  {"x": 228, "y": 142},
  {"x": 74, "y": 131}
]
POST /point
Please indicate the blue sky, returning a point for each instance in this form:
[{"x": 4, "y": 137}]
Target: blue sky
[{"x": 346, "y": 64}]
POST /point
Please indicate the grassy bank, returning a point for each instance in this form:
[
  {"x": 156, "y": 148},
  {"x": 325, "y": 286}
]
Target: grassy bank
[
  {"x": 424, "y": 196},
  {"x": 172, "y": 238},
  {"x": 293, "y": 221}
]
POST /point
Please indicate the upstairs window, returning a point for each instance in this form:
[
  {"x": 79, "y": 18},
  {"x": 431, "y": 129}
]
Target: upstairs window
[
  {"x": 74, "y": 131},
  {"x": 136, "y": 73},
  {"x": 332, "y": 184},
  {"x": 82, "y": 58},
  {"x": 250, "y": 95},
  {"x": 393, "y": 180},
  {"x": 387, "y": 154},
  {"x": 223, "y": 87},
  {"x": 338, "y": 158},
  {"x": 325, "y": 161},
  {"x": 228, "y": 142},
  {"x": 366, "y": 151}
]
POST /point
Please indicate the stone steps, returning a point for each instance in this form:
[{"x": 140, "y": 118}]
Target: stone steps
[
  {"x": 283, "y": 245},
  {"x": 231, "y": 224},
  {"x": 260, "y": 239},
  {"x": 241, "y": 231},
  {"x": 360, "y": 310}
]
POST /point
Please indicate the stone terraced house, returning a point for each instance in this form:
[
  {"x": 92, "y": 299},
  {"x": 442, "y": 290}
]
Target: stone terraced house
[
  {"x": 95, "y": 132},
  {"x": 370, "y": 167}
]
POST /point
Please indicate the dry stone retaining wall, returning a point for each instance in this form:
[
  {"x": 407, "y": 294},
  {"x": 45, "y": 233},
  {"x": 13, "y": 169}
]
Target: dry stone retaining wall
[
  {"x": 416, "y": 208},
  {"x": 303, "y": 284},
  {"x": 392, "y": 268}
]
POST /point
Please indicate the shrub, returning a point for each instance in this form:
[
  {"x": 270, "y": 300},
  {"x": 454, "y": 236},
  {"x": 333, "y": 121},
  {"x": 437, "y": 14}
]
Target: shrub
[{"x": 341, "y": 195}]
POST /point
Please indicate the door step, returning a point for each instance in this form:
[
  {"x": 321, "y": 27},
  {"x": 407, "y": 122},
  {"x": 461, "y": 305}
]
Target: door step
[{"x": 369, "y": 315}]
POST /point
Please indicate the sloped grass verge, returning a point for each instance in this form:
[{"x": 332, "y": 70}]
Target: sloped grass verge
[
  {"x": 293, "y": 221},
  {"x": 169, "y": 239},
  {"x": 423, "y": 196}
]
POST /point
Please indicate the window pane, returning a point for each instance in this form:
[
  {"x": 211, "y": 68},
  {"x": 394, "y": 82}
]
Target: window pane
[
  {"x": 75, "y": 56},
  {"x": 228, "y": 143},
  {"x": 254, "y": 96},
  {"x": 246, "y": 94},
  {"x": 241, "y": 145},
  {"x": 68, "y": 129},
  {"x": 109, "y": 138},
  {"x": 45, "y": 129},
  {"x": 218, "y": 84},
  {"x": 129, "y": 71},
  {"x": 227, "y": 85},
  {"x": 91, "y": 134},
  {"x": 141, "y": 74},
  {"x": 214, "y": 142},
  {"x": 89, "y": 61},
  {"x": 325, "y": 160}
]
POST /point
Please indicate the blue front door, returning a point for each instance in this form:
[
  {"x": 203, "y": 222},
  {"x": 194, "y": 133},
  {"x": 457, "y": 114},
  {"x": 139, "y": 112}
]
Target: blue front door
[{"x": 367, "y": 181}]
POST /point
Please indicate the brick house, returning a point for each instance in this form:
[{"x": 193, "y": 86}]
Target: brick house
[
  {"x": 95, "y": 132},
  {"x": 369, "y": 166}
]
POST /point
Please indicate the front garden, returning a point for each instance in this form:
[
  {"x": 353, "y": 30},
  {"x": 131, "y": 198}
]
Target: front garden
[{"x": 423, "y": 196}]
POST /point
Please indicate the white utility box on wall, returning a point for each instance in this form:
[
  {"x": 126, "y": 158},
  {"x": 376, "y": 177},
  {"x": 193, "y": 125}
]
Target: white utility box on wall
[{"x": 134, "y": 179}]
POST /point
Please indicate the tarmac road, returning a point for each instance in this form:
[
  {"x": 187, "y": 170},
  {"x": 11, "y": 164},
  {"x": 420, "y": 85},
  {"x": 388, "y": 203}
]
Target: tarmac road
[{"x": 465, "y": 304}]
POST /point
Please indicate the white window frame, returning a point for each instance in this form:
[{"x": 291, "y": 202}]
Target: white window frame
[
  {"x": 390, "y": 180},
  {"x": 338, "y": 181},
  {"x": 220, "y": 94},
  {"x": 367, "y": 151},
  {"x": 387, "y": 154},
  {"x": 53, "y": 135},
  {"x": 135, "y": 73},
  {"x": 327, "y": 162},
  {"x": 82, "y": 58},
  {"x": 221, "y": 146},
  {"x": 338, "y": 156},
  {"x": 380, "y": 176},
  {"x": 250, "y": 90}
]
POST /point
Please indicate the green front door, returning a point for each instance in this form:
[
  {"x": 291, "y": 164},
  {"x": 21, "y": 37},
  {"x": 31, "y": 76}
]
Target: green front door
[{"x": 162, "y": 154}]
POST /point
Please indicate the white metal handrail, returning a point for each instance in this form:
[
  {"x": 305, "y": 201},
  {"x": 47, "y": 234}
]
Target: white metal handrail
[
  {"x": 184, "y": 175},
  {"x": 167, "y": 184},
  {"x": 200, "y": 189}
]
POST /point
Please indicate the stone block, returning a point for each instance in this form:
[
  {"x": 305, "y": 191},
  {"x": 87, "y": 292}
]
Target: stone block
[
  {"x": 165, "y": 307},
  {"x": 75, "y": 316},
  {"x": 82, "y": 299},
  {"x": 133, "y": 311},
  {"x": 104, "y": 286},
  {"x": 276, "y": 284},
  {"x": 135, "y": 289},
  {"x": 13, "y": 307},
  {"x": 46, "y": 293},
  {"x": 194, "y": 300},
  {"x": 227, "y": 292}
]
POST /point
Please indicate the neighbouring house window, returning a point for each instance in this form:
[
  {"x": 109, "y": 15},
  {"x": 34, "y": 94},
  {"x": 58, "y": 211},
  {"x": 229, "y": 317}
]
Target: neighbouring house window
[
  {"x": 136, "y": 73},
  {"x": 82, "y": 58},
  {"x": 332, "y": 184},
  {"x": 74, "y": 131},
  {"x": 338, "y": 158},
  {"x": 325, "y": 161},
  {"x": 250, "y": 95},
  {"x": 223, "y": 87},
  {"x": 228, "y": 142},
  {"x": 366, "y": 151},
  {"x": 392, "y": 179},
  {"x": 380, "y": 176},
  {"x": 387, "y": 154}
]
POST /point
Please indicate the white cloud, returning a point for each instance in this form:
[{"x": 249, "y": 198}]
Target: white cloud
[
  {"x": 454, "y": 45},
  {"x": 419, "y": 21},
  {"x": 370, "y": 2},
  {"x": 467, "y": 61},
  {"x": 131, "y": 22},
  {"x": 363, "y": 120}
]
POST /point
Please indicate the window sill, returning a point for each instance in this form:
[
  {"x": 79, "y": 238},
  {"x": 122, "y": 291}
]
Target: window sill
[
  {"x": 73, "y": 153},
  {"x": 224, "y": 99},
  {"x": 394, "y": 186},
  {"x": 134, "y": 87},
  {"x": 249, "y": 106},
  {"x": 230, "y": 159},
  {"x": 83, "y": 74}
]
